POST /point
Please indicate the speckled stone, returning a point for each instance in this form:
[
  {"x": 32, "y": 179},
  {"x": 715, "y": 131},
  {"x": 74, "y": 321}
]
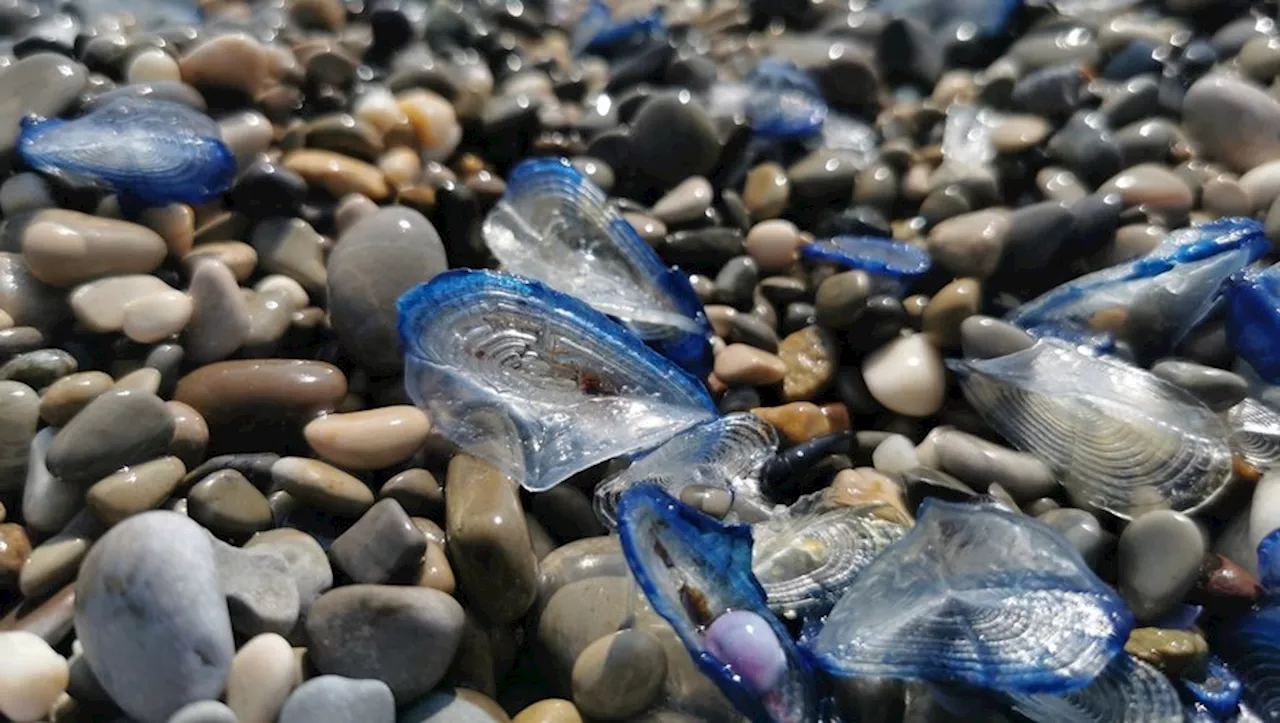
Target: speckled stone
[{"x": 811, "y": 357}]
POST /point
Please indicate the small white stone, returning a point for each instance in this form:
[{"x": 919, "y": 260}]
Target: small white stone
[
  {"x": 262, "y": 676},
  {"x": 156, "y": 317},
  {"x": 32, "y": 676},
  {"x": 286, "y": 287},
  {"x": 895, "y": 455},
  {"x": 907, "y": 376},
  {"x": 152, "y": 65}
]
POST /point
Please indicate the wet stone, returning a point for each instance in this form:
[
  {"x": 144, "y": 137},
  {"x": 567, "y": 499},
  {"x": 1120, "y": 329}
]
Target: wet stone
[
  {"x": 618, "y": 675},
  {"x": 811, "y": 357},
  {"x": 322, "y": 485},
  {"x": 94, "y": 443},
  {"x": 38, "y": 368},
  {"x": 1178, "y": 653},
  {"x": 380, "y": 544},
  {"x": 308, "y": 566},
  {"x": 135, "y": 489},
  {"x": 1218, "y": 389},
  {"x": 251, "y": 581},
  {"x": 1158, "y": 560},
  {"x": 335, "y": 699},
  {"x": 228, "y": 505}
]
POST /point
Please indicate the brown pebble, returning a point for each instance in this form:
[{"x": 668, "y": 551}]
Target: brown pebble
[
  {"x": 744, "y": 364},
  {"x": 15, "y": 547},
  {"x": 1160, "y": 192},
  {"x": 811, "y": 357},
  {"x": 551, "y": 710},
  {"x": 134, "y": 489},
  {"x": 190, "y": 433},
  {"x": 797, "y": 421},
  {"x": 766, "y": 191},
  {"x": 231, "y": 391},
  {"x": 417, "y": 491},
  {"x": 67, "y": 396},
  {"x": 867, "y": 486},
  {"x": 176, "y": 224},
  {"x": 953, "y": 303},
  {"x": 371, "y": 439},
  {"x": 1177, "y": 653},
  {"x": 773, "y": 245},
  {"x": 233, "y": 60},
  {"x": 63, "y": 248},
  {"x": 971, "y": 244},
  {"x": 323, "y": 486},
  {"x": 434, "y": 570},
  {"x": 338, "y": 174},
  {"x": 240, "y": 257},
  {"x": 145, "y": 379}
]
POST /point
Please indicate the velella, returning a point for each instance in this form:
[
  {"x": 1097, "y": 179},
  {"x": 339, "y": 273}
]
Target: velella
[
  {"x": 597, "y": 30},
  {"x": 1255, "y": 432},
  {"x": 1129, "y": 690},
  {"x": 1250, "y": 644},
  {"x": 696, "y": 573},
  {"x": 1253, "y": 320},
  {"x": 535, "y": 381},
  {"x": 1219, "y": 692},
  {"x": 154, "y": 151},
  {"x": 805, "y": 562},
  {"x": 783, "y": 101},
  {"x": 554, "y": 226},
  {"x": 728, "y": 453},
  {"x": 1118, "y": 437},
  {"x": 893, "y": 260},
  {"x": 1153, "y": 301},
  {"x": 987, "y": 17},
  {"x": 976, "y": 596}
]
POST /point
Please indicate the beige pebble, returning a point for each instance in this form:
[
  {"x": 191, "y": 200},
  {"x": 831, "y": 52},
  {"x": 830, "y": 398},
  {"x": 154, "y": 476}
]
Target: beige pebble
[
  {"x": 435, "y": 571},
  {"x": 219, "y": 320},
  {"x": 190, "y": 433},
  {"x": 863, "y": 486},
  {"x": 551, "y": 710},
  {"x": 743, "y": 364},
  {"x": 233, "y": 60},
  {"x": 134, "y": 489},
  {"x": 145, "y": 379},
  {"x": 322, "y": 485},
  {"x": 378, "y": 107},
  {"x": 32, "y": 676},
  {"x": 6, "y": 321},
  {"x": 284, "y": 287},
  {"x": 176, "y": 224},
  {"x": 907, "y": 376},
  {"x": 371, "y": 439},
  {"x": 156, "y": 317},
  {"x": 152, "y": 65},
  {"x": 99, "y": 305},
  {"x": 263, "y": 673},
  {"x": 1018, "y": 133},
  {"x": 338, "y": 174},
  {"x": 1226, "y": 197},
  {"x": 70, "y": 394},
  {"x": 971, "y": 244},
  {"x": 619, "y": 675},
  {"x": 953, "y": 303},
  {"x": 64, "y": 248},
  {"x": 766, "y": 190},
  {"x": 773, "y": 245},
  {"x": 1156, "y": 189},
  {"x": 239, "y": 256},
  {"x": 435, "y": 122},
  {"x": 400, "y": 165}
]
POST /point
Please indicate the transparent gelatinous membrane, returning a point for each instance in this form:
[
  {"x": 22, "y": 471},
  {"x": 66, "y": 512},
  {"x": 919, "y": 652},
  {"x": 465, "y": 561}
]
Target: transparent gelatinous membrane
[
  {"x": 966, "y": 137},
  {"x": 555, "y": 226},
  {"x": 535, "y": 381},
  {"x": 1269, "y": 562},
  {"x": 805, "y": 562},
  {"x": 694, "y": 571},
  {"x": 859, "y": 142},
  {"x": 1128, "y": 691},
  {"x": 977, "y": 596},
  {"x": 878, "y": 256},
  {"x": 1255, "y": 432},
  {"x": 727, "y": 453},
  {"x": 1117, "y": 437},
  {"x": 602, "y": 27},
  {"x": 154, "y": 151},
  {"x": 1250, "y": 645},
  {"x": 1253, "y": 320},
  {"x": 988, "y": 17},
  {"x": 783, "y": 101},
  {"x": 1153, "y": 301},
  {"x": 1219, "y": 692}
]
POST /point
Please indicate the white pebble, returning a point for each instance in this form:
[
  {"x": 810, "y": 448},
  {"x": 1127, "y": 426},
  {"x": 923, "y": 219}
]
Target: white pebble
[
  {"x": 152, "y": 65},
  {"x": 895, "y": 455},
  {"x": 286, "y": 287},
  {"x": 32, "y": 676},
  {"x": 263, "y": 673}
]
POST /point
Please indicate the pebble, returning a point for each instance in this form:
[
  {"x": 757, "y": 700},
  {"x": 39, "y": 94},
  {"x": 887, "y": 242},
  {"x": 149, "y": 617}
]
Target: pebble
[
  {"x": 1081, "y": 529},
  {"x": 291, "y": 247},
  {"x": 947, "y": 310},
  {"x": 371, "y": 439},
  {"x": 43, "y": 84},
  {"x": 460, "y": 704},
  {"x": 1219, "y": 389},
  {"x": 673, "y": 138},
  {"x": 263, "y": 674},
  {"x": 895, "y": 455},
  {"x": 228, "y": 505},
  {"x": 308, "y": 565},
  {"x": 54, "y": 562},
  {"x": 1155, "y": 189},
  {"x": 322, "y": 485},
  {"x": 551, "y": 710},
  {"x": 860, "y": 486},
  {"x": 402, "y": 636},
  {"x": 63, "y": 248},
  {"x": 743, "y": 364},
  {"x": 338, "y": 174},
  {"x": 19, "y": 416},
  {"x": 134, "y": 489},
  {"x": 1247, "y": 141},
  {"x": 219, "y": 322},
  {"x": 1178, "y": 653},
  {"x": 803, "y": 421},
  {"x": 434, "y": 121},
  {"x": 99, "y": 305},
  {"x": 418, "y": 492},
  {"x": 15, "y": 548},
  {"x": 32, "y": 676},
  {"x": 766, "y": 191},
  {"x": 230, "y": 391},
  {"x": 149, "y": 607},
  {"x": 234, "y": 61},
  {"x": 619, "y": 675},
  {"x": 378, "y": 258},
  {"x": 26, "y": 299},
  {"x": 335, "y": 699},
  {"x": 841, "y": 299},
  {"x": 251, "y": 581},
  {"x": 687, "y": 202},
  {"x": 979, "y": 462},
  {"x": 906, "y": 376},
  {"x": 773, "y": 244},
  {"x": 1158, "y": 558},
  {"x": 488, "y": 540},
  {"x": 190, "y": 433},
  {"x": 204, "y": 711},
  {"x": 971, "y": 244},
  {"x": 811, "y": 357},
  {"x": 383, "y": 542},
  {"x": 154, "y": 317},
  {"x": 94, "y": 443},
  {"x": 982, "y": 337}
]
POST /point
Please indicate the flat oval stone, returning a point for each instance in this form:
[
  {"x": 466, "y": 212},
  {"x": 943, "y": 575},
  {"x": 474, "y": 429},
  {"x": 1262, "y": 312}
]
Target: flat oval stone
[
  {"x": 1081, "y": 529},
  {"x": 63, "y": 399},
  {"x": 228, "y": 391},
  {"x": 370, "y": 439},
  {"x": 63, "y": 248},
  {"x": 982, "y": 337},
  {"x": 219, "y": 323},
  {"x": 228, "y": 505},
  {"x": 338, "y": 174},
  {"x": 618, "y": 675},
  {"x": 403, "y": 636},
  {"x": 99, "y": 305},
  {"x": 1219, "y": 389},
  {"x": 32, "y": 676},
  {"x": 979, "y": 462},
  {"x": 906, "y": 376},
  {"x": 55, "y": 561},
  {"x": 1249, "y": 139},
  {"x": 743, "y": 364},
  {"x": 134, "y": 489},
  {"x": 38, "y": 368},
  {"x": 322, "y": 485},
  {"x": 19, "y": 415},
  {"x": 335, "y": 699},
  {"x": 94, "y": 443},
  {"x": 489, "y": 540},
  {"x": 239, "y": 257},
  {"x": 1158, "y": 559},
  {"x": 263, "y": 674},
  {"x": 155, "y": 317},
  {"x": 233, "y": 60},
  {"x": 42, "y": 83},
  {"x": 376, "y": 260},
  {"x": 149, "y": 607},
  {"x": 1157, "y": 190}
]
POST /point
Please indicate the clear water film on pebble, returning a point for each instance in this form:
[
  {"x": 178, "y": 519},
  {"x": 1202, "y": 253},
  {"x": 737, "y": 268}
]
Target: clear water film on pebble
[
  {"x": 1129, "y": 690},
  {"x": 726, "y": 453},
  {"x": 1118, "y": 437},
  {"x": 153, "y": 151},
  {"x": 1151, "y": 302},
  {"x": 806, "y": 560},
  {"x": 696, "y": 574},
  {"x": 535, "y": 381},
  {"x": 1253, "y": 319},
  {"x": 977, "y": 596},
  {"x": 555, "y": 226}
]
